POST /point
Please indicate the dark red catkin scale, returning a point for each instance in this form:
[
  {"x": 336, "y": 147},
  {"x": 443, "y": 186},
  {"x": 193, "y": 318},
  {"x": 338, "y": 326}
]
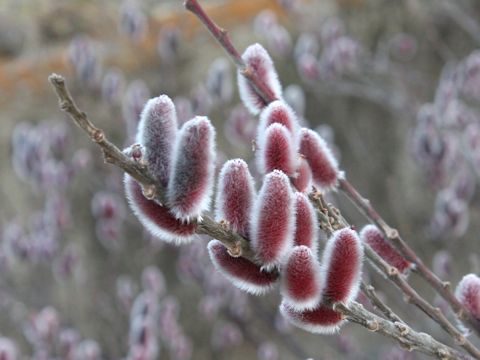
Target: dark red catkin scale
[
  {"x": 272, "y": 222},
  {"x": 243, "y": 273},
  {"x": 259, "y": 62},
  {"x": 300, "y": 282},
  {"x": 277, "y": 151},
  {"x": 235, "y": 195},
  {"x": 157, "y": 131},
  {"x": 157, "y": 219},
  {"x": 468, "y": 293},
  {"x": 321, "y": 320},
  {"x": 372, "y": 236},
  {"x": 342, "y": 266},
  {"x": 306, "y": 229},
  {"x": 302, "y": 179},
  {"x": 324, "y": 166},
  {"x": 193, "y": 166}
]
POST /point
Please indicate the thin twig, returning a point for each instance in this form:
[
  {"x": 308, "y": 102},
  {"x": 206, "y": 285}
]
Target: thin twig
[
  {"x": 442, "y": 287},
  {"x": 411, "y": 296},
  {"x": 408, "y": 338}
]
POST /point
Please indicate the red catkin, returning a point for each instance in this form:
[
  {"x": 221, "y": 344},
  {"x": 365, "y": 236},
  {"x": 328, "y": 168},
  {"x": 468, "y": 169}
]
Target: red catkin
[
  {"x": 324, "y": 166},
  {"x": 341, "y": 266},
  {"x": 468, "y": 293},
  {"x": 277, "y": 112},
  {"x": 306, "y": 229},
  {"x": 156, "y": 218},
  {"x": 259, "y": 62},
  {"x": 272, "y": 224},
  {"x": 302, "y": 179},
  {"x": 277, "y": 151},
  {"x": 301, "y": 283},
  {"x": 191, "y": 182},
  {"x": 235, "y": 195},
  {"x": 321, "y": 320},
  {"x": 243, "y": 273},
  {"x": 372, "y": 236}
]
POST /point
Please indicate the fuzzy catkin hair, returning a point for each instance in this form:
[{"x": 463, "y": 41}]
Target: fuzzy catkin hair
[
  {"x": 157, "y": 131},
  {"x": 342, "y": 266},
  {"x": 259, "y": 62},
  {"x": 235, "y": 195},
  {"x": 277, "y": 151},
  {"x": 306, "y": 229},
  {"x": 372, "y": 236},
  {"x": 156, "y": 218},
  {"x": 320, "y": 320},
  {"x": 272, "y": 221},
  {"x": 190, "y": 185},
  {"x": 243, "y": 273},
  {"x": 301, "y": 280},
  {"x": 324, "y": 166}
]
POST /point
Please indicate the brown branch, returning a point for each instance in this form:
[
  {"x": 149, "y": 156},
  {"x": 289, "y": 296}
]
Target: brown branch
[
  {"x": 232, "y": 240},
  {"x": 404, "y": 335},
  {"x": 442, "y": 287},
  {"x": 336, "y": 220}
]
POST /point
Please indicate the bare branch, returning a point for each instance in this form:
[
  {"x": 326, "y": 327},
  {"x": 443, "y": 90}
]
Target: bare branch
[{"x": 404, "y": 335}]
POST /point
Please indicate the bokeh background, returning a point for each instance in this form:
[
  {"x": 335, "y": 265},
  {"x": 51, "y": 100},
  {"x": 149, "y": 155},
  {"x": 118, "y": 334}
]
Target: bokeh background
[{"x": 392, "y": 85}]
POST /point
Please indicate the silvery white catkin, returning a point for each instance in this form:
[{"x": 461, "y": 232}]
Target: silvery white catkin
[{"x": 277, "y": 151}]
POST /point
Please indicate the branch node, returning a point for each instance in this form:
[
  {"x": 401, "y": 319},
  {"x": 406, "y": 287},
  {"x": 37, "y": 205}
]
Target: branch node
[
  {"x": 149, "y": 191},
  {"x": 97, "y": 135},
  {"x": 404, "y": 329},
  {"x": 373, "y": 325},
  {"x": 235, "y": 250}
]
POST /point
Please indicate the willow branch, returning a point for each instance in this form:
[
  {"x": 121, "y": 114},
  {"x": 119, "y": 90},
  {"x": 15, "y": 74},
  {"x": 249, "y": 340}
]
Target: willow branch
[
  {"x": 404, "y": 335},
  {"x": 208, "y": 226},
  {"x": 335, "y": 220},
  {"x": 113, "y": 155},
  {"x": 442, "y": 287}
]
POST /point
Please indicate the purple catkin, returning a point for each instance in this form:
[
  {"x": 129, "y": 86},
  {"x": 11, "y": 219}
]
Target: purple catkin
[
  {"x": 468, "y": 293},
  {"x": 272, "y": 224},
  {"x": 306, "y": 229},
  {"x": 324, "y": 166},
  {"x": 277, "y": 112},
  {"x": 193, "y": 166},
  {"x": 235, "y": 194},
  {"x": 321, "y": 320},
  {"x": 302, "y": 179},
  {"x": 259, "y": 62},
  {"x": 241, "y": 272},
  {"x": 156, "y": 218},
  {"x": 8, "y": 349},
  {"x": 157, "y": 131},
  {"x": 277, "y": 151},
  {"x": 342, "y": 266},
  {"x": 372, "y": 236},
  {"x": 301, "y": 284}
]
